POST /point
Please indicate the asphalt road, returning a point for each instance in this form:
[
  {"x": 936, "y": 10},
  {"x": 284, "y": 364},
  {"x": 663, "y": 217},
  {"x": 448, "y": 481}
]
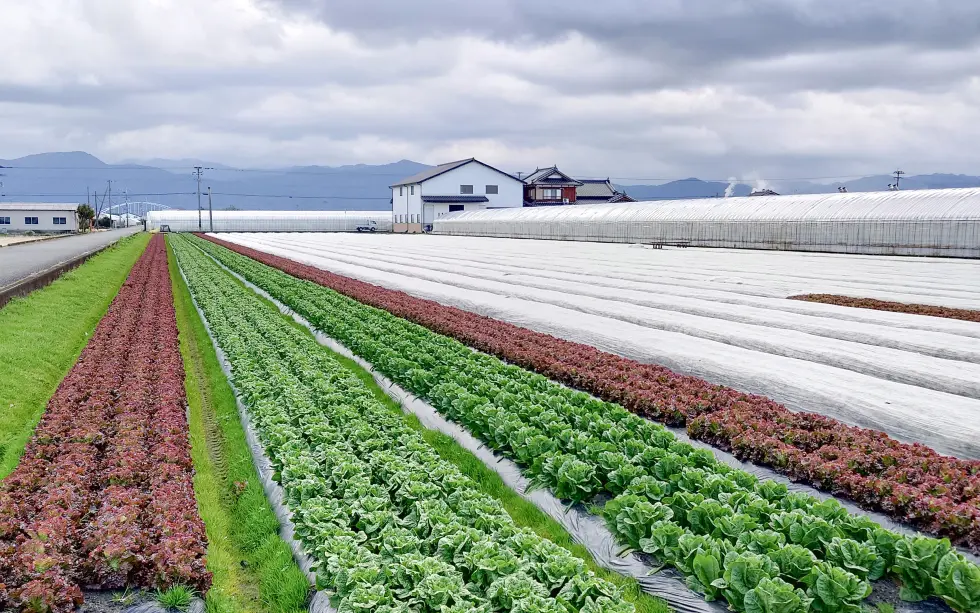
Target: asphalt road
[{"x": 20, "y": 261}]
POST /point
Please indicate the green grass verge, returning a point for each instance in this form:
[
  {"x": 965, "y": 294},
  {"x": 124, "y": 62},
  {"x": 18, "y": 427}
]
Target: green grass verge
[
  {"x": 523, "y": 512},
  {"x": 43, "y": 334},
  {"x": 253, "y": 568}
]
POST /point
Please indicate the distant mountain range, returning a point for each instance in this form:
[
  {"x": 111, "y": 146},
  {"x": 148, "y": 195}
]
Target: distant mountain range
[
  {"x": 696, "y": 188},
  {"x": 64, "y": 177}
]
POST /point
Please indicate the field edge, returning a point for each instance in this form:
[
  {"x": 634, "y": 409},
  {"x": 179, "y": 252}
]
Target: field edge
[{"x": 34, "y": 360}]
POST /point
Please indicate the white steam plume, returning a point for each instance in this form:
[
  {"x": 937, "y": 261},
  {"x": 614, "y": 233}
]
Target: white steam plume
[{"x": 730, "y": 190}]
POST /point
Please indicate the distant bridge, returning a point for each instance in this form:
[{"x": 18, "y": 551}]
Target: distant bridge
[{"x": 138, "y": 208}]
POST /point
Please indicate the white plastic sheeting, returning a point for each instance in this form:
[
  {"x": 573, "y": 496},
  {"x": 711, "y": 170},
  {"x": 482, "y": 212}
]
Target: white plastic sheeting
[
  {"x": 269, "y": 221},
  {"x": 719, "y": 315},
  {"x": 943, "y": 222},
  {"x": 586, "y": 528}
]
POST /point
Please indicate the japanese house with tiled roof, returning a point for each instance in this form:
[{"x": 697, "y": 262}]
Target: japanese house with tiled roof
[{"x": 552, "y": 187}]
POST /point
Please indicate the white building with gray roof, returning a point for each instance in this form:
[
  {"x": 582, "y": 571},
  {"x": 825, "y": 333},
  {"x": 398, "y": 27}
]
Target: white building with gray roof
[
  {"x": 463, "y": 185},
  {"x": 20, "y": 217}
]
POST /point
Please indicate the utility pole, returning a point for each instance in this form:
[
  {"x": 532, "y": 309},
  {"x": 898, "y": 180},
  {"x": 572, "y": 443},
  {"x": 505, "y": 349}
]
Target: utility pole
[
  {"x": 210, "y": 210},
  {"x": 198, "y": 171},
  {"x": 126, "y": 194},
  {"x": 898, "y": 177},
  {"x": 109, "y": 194}
]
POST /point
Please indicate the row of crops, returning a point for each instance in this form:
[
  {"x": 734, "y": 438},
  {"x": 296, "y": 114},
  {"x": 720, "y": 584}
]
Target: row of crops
[
  {"x": 103, "y": 497},
  {"x": 751, "y": 542},
  {"x": 391, "y": 526},
  {"x": 721, "y": 317},
  {"x": 911, "y": 483}
]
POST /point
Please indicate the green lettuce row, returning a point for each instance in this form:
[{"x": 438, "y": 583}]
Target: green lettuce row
[
  {"x": 671, "y": 500},
  {"x": 390, "y": 525}
]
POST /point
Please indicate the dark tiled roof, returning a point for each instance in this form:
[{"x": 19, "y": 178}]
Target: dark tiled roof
[
  {"x": 592, "y": 188},
  {"x": 432, "y": 172},
  {"x": 425, "y": 175},
  {"x": 454, "y": 199},
  {"x": 555, "y": 181},
  {"x": 538, "y": 176}
]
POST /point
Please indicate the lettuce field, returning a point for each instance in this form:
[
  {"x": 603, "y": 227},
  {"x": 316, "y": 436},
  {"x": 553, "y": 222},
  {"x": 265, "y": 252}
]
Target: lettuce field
[
  {"x": 103, "y": 495},
  {"x": 745, "y": 482},
  {"x": 733, "y": 535}
]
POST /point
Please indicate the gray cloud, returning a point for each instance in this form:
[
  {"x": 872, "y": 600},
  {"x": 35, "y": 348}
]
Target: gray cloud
[
  {"x": 697, "y": 39},
  {"x": 776, "y": 88}
]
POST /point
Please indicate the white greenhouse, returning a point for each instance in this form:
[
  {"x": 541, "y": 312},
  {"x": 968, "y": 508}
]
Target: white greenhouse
[
  {"x": 942, "y": 222},
  {"x": 269, "y": 221}
]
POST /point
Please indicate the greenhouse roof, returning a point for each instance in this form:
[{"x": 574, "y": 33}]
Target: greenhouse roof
[{"x": 911, "y": 205}]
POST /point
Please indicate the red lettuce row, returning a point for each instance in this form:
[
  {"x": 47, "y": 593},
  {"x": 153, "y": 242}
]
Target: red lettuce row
[
  {"x": 895, "y": 307},
  {"x": 909, "y": 482},
  {"x": 103, "y": 496}
]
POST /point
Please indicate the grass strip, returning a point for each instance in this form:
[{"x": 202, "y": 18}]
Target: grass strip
[
  {"x": 253, "y": 569},
  {"x": 43, "y": 335},
  {"x": 524, "y": 513}
]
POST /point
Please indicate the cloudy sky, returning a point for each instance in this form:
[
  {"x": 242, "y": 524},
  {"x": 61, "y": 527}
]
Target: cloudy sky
[{"x": 627, "y": 88}]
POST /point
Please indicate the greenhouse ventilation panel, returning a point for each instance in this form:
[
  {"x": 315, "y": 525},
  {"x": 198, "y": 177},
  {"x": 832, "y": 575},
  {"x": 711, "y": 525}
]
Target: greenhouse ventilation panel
[
  {"x": 269, "y": 221},
  {"x": 942, "y": 222}
]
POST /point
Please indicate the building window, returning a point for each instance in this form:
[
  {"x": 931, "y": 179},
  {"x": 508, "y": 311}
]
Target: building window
[
  {"x": 60, "y": 221},
  {"x": 552, "y": 193},
  {"x": 4, "y": 221},
  {"x": 466, "y": 189},
  {"x": 491, "y": 189},
  {"x": 412, "y": 190},
  {"x": 30, "y": 221},
  {"x": 401, "y": 191},
  {"x": 456, "y": 207}
]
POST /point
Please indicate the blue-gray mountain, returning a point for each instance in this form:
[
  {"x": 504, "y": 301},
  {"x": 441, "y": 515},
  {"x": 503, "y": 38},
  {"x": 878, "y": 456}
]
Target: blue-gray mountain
[{"x": 65, "y": 177}]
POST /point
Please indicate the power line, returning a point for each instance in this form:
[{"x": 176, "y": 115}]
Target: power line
[
  {"x": 287, "y": 171},
  {"x": 80, "y": 195},
  {"x": 321, "y": 197},
  {"x": 282, "y": 171},
  {"x": 337, "y": 196}
]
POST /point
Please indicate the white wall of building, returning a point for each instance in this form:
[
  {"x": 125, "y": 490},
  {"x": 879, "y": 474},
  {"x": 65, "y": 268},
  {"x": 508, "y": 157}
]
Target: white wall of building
[
  {"x": 407, "y": 206},
  {"x": 414, "y": 202},
  {"x": 399, "y": 201},
  {"x": 14, "y": 219},
  {"x": 510, "y": 191},
  {"x": 407, "y": 203}
]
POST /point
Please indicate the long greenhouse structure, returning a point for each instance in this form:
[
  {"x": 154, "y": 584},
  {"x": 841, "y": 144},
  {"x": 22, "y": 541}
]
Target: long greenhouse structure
[
  {"x": 944, "y": 222},
  {"x": 268, "y": 221}
]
